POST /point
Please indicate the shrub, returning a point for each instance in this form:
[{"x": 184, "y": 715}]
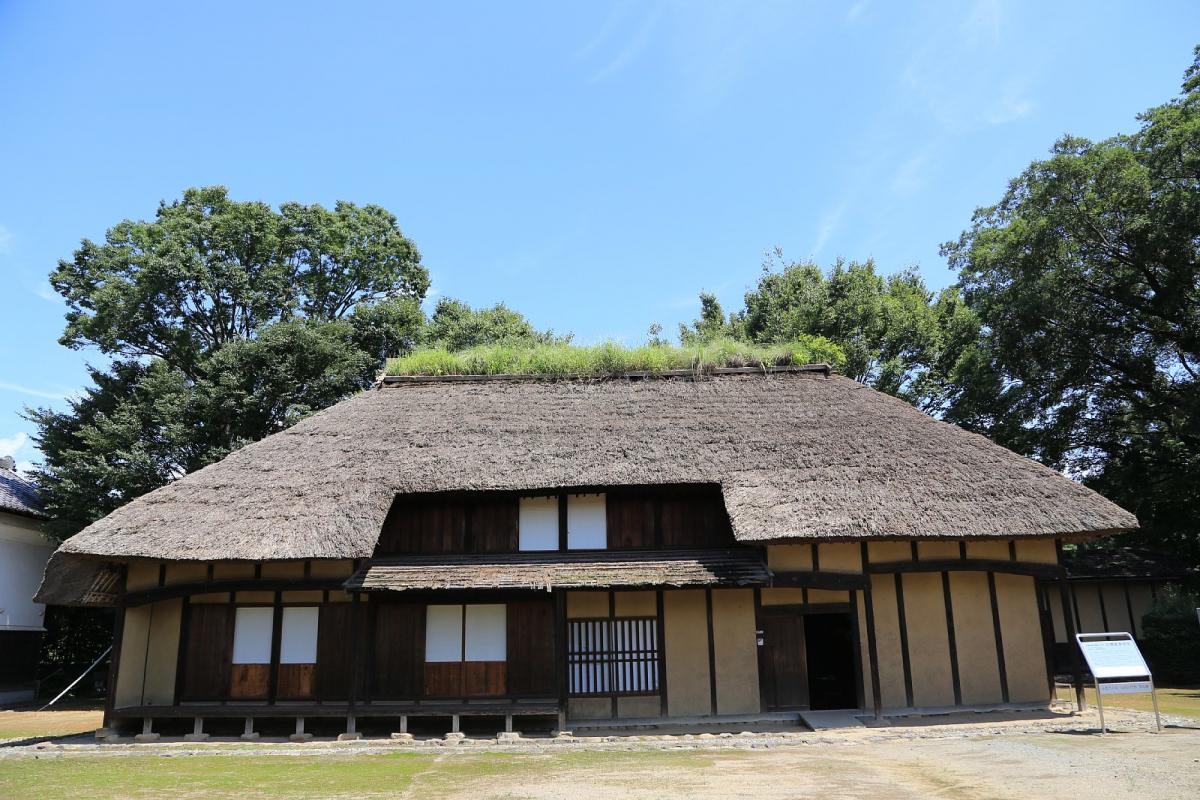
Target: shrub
[
  {"x": 1171, "y": 638},
  {"x": 610, "y": 358}
]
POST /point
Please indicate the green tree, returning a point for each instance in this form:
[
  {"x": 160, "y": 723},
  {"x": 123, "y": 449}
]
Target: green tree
[
  {"x": 226, "y": 321},
  {"x": 456, "y": 326},
  {"x": 898, "y": 336},
  {"x": 1086, "y": 276}
]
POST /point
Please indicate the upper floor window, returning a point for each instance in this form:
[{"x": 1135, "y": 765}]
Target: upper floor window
[{"x": 621, "y": 518}]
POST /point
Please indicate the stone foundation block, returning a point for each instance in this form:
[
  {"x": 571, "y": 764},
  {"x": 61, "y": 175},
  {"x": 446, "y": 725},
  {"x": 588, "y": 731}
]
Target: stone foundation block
[
  {"x": 146, "y": 738},
  {"x": 300, "y": 737},
  {"x": 349, "y": 737},
  {"x": 195, "y": 737}
]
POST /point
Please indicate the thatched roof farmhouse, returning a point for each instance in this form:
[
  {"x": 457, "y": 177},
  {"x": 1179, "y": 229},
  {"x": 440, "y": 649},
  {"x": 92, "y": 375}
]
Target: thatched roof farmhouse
[{"x": 780, "y": 505}]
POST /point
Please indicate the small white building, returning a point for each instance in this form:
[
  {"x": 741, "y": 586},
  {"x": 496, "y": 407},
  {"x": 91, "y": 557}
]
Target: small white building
[{"x": 23, "y": 554}]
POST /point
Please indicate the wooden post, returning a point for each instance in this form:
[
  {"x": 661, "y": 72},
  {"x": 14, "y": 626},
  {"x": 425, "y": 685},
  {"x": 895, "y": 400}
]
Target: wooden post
[
  {"x": 198, "y": 726},
  {"x": 905, "y": 656},
  {"x": 560, "y": 651},
  {"x": 872, "y": 646},
  {"x": 712, "y": 653},
  {"x": 1069, "y": 626},
  {"x": 114, "y": 663},
  {"x": 661, "y": 642},
  {"x": 999, "y": 635},
  {"x": 355, "y": 661},
  {"x": 954, "y": 676}
]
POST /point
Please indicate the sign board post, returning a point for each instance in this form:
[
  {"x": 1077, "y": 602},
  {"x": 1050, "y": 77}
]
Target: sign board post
[{"x": 1117, "y": 667}]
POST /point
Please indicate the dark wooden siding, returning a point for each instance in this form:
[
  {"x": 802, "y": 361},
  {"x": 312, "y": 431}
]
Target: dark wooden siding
[
  {"x": 444, "y": 679},
  {"x": 333, "y": 651},
  {"x": 492, "y": 525},
  {"x": 630, "y": 521},
  {"x": 484, "y": 678},
  {"x": 207, "y": 652},
  {"x": 694, "y": 520},
  {"x": 296, "y": 682},
  {"x": 531, "y": 648},
  {"x": 399, "y": 648},
  {"x": 425, "y": 526}
]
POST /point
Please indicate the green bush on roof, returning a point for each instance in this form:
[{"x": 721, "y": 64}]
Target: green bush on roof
[{"x": 611, "y": 358}]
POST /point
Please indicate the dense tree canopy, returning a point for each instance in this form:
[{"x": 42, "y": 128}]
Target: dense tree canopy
[
  {"x": 898, "y": 336},
  {"x": 456, "y": 326},
  {"x": 228, "y": 321},
  {"x": 1086, "y": 276}
]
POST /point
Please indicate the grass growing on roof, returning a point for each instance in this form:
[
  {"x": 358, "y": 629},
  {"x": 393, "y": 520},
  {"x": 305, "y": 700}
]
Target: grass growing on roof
[{"x": 610, "y": 358}]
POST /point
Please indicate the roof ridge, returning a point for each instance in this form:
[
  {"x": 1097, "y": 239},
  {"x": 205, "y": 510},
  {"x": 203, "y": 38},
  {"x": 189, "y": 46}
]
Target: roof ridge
[{"x": 398, "y": 380}]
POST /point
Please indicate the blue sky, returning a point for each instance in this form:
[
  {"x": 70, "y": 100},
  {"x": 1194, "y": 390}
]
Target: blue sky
[{"x": 592, "y": 165}]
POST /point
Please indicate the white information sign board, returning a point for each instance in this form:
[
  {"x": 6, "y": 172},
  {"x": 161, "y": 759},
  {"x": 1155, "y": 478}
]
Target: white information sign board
[
  {"x": 1116, "y": 658},
  {"x": 1110, "y": 657}
]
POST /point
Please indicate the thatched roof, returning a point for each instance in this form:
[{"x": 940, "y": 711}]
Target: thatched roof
[
  {"x": 728, "y": 567},
  {"x": 798, "y": 453}
]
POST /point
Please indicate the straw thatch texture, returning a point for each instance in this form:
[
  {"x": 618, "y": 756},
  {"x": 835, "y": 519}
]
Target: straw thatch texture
[
  {"x": 797, "y": 454},
  {"x": 565, "y": 570}
]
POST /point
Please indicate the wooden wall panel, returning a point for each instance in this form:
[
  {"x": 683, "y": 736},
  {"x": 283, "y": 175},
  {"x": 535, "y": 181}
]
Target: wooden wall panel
[
  {"x": 483, "y": 678},
  {"x": 207, "y": 652},
  {"x": 399, "y": 645},
  {"x": 531, "y": 648},
  {"x": 630, "y": 521},
  {"x": 694, "y": 521},
  {"x": 444, "y": 679},
  {"x": 333, "y": 652},
  {"x": 296, "y": 682},
  {"x": 249, "y": 681},
  {"x": 492, "y": 525},
  {"x": 425, "y": 526}
]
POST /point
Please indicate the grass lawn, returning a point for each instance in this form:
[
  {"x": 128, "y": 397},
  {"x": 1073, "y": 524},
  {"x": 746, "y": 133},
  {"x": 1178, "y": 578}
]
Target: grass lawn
[
  {"x": 1182, "y": 702},
  {"x": 427, "y": 775},
  {"x": 30, "y": 724}
]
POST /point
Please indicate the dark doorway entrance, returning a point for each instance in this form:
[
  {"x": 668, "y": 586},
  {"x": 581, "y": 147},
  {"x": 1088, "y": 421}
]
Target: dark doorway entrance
[{"x": 830, "y": 649}]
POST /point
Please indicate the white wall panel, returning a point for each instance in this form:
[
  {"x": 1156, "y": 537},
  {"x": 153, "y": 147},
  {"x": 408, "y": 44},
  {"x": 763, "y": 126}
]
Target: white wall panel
[
  {"x": 538, "y": 523},
  {"x": 252, "y": 635},
  {"x": 587, "y": 522},
  {"x": 487, "y": 633},
  {"x": 443, "y": 633},
  {"x": 298, "y": 637}
]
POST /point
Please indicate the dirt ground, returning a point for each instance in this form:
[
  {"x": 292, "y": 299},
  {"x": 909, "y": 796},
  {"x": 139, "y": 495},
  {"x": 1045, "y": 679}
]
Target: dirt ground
[{"x": 975, "y": 757}]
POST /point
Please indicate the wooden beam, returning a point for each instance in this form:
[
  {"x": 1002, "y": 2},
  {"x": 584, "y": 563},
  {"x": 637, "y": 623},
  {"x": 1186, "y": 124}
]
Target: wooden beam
[
  {"x": 712, "y": 653},
  {"x": 821, "y": 580},
  {"x": 144, "y": 596},
  {"x": 999, "y": 634},
  {"x": 967, "y": 565},
  {"x": 1069, "y": 627},
  {"x": 954, "y": 676},
  {"x": 905, "y": 655},
  {"x": 872, "y": 646},
  {"x": 661, "y": 642},
  {"x": 114, "y": 664}
]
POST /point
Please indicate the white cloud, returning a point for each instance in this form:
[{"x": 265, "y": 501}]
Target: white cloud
[
  {"x": 10, "y": 446},
  {"x": 856, "y": 11},
  {"x": 16, "y": 387},
  {"x": 632, "y": 49},
  {"x": 830, "y": 221},
  {"x": 45, "y": 291},
  {"x": 911, "y": 175}
]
